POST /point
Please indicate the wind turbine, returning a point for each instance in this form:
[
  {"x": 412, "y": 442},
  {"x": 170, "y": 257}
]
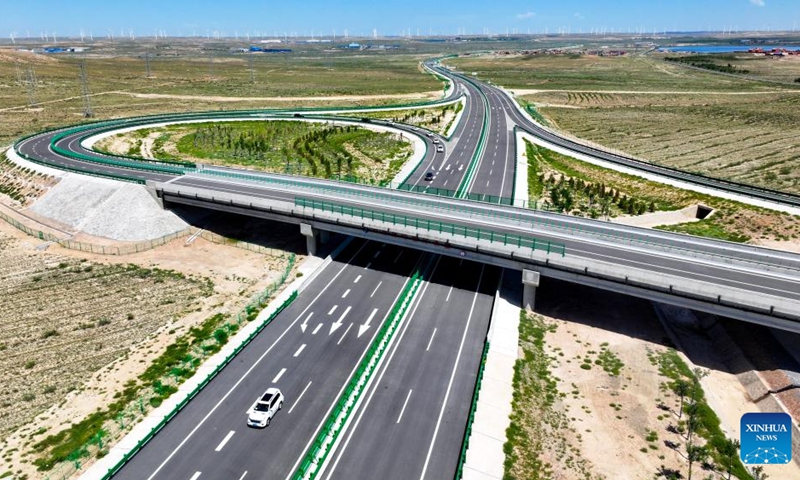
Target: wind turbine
[{"x": 12, "y": 37}]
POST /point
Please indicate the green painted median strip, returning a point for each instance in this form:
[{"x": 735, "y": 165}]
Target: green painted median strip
[{"x": 311, "y": 465}]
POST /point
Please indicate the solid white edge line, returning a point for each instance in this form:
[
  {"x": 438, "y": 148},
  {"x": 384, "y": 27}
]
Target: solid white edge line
[
  {"x": 402, "y": 410},
  {"x": 224, "y": 441},
  {"x": 452, "y": 375},
  {"x": 299, "y": 397}
]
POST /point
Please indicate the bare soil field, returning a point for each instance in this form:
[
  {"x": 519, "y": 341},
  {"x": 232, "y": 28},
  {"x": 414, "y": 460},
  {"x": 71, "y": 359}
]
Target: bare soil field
[
  {"x": 747, "y": 138},
  {"x": 76, "y": 327},
  {"x": 594, "y": 396}
]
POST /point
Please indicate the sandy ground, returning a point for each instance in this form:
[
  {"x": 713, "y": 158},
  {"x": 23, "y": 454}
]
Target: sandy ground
[
  {"x": 684, "y": 215},
  {"x": 237, "y": 274},
  {"x": 611, "y": 416}
]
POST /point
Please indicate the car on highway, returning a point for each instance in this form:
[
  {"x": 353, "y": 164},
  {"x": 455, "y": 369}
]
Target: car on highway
[
  {"x": 267, "y": 405},
  {"x": 435, "y": 140},
  {"x": 429, "y": 176},
  {"x": 440, "y": 148}
]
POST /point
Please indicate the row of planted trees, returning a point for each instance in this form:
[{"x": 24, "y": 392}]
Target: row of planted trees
[
  {"x": 565, "y": 192},
  {"x": 317, "y": 153}
]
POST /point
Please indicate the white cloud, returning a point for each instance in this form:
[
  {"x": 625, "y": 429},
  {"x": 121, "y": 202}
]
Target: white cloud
[
  {"x": 526, "y": 15},
  {"x": 758, "y": 3}
]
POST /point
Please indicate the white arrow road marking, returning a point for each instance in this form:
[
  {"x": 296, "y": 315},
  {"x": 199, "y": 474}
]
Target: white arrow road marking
[
  {"x": 460, "y": 166},
  {"x": 363, "y": 328},
  {"x": 304, "y": 325},
  {"x": 335, "y": 326},
  {"x": 224, "y": 441}
]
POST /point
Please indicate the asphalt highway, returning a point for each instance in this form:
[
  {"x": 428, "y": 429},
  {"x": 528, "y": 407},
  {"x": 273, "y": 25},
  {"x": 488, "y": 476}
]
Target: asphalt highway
[
  {"x": 309, "y": 351},
  {"x": 413, "y": 419}
]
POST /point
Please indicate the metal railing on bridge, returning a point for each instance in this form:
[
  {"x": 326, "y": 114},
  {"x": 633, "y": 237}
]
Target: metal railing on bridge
[{"x": 435, "y": 226}]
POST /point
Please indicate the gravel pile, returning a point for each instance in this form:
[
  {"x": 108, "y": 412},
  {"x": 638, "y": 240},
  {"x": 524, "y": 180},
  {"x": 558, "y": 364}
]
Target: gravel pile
[{"x": 106, "y": 208}]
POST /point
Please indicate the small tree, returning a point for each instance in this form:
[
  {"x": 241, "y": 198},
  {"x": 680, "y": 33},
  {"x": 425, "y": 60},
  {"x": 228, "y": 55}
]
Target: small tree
[
  {"x": 681, "y": 389},
  {"x": 758, "y": 473},
  {"x": 695, "y": 453},
  {"x": 729, "y": 450}
]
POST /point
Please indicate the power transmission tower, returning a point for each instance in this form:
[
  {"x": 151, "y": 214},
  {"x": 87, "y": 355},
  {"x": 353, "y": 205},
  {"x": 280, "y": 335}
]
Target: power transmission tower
[
  {"x": 18, "y": 70},
  {"x": 250, "y": 67},
  {"x": 87, "y": 104},
  {"x": 147, "y": 64},
  {"x": 31, "y": 83}
]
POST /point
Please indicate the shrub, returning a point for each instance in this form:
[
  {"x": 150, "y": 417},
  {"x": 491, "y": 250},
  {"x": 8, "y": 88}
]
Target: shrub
[{"x": 50, "y": 333}]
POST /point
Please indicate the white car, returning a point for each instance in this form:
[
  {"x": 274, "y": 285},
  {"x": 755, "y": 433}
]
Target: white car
[{"x": 265, "y": 408}]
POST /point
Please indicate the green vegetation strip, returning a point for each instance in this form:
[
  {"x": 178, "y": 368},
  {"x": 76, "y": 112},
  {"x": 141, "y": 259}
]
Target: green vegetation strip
[
  {"x": 315, "y": 457},
  {"x": 436, "y": 226},
  {"x": 462, "y": 457}
]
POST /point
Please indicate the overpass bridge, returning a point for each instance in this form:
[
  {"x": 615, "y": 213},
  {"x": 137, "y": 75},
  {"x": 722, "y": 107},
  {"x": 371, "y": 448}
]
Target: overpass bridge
[{"x": 738, "y": 281}]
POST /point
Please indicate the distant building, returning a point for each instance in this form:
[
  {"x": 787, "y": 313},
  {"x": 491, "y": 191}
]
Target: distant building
[{"x": 354, "y": 45}]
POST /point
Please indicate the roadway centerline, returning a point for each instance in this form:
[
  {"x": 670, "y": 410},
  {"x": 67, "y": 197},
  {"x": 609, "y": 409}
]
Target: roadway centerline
[
  {"x": 357, "y": 279},
  {"x": 299, "y": 397},
  {"x": 402, "y": 410},
  {"x": 376, "y": 288},
  {"x": 224, "y": 441},
  {"x": 279, "y": 375},
  {"x": 333, "y": 309},
  {"x": 316, "y": 329},
  {"x": 345, "y": 333},
  {"x": 431, "y": 340},
  {"x": 346, "y": 293}
]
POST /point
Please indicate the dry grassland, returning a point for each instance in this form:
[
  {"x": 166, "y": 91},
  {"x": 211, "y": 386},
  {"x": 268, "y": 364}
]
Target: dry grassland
[
  {"x": 668, "y": 114},
  {"x": 120, "y": 89}
]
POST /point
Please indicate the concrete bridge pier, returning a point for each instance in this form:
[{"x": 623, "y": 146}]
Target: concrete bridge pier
[
  {"x": 530, "y": 280},
  {"x": 314, "y": 237}
]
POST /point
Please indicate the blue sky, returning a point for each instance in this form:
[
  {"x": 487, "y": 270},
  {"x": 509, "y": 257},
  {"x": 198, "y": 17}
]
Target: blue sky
[{"x": 359, "y": 17}]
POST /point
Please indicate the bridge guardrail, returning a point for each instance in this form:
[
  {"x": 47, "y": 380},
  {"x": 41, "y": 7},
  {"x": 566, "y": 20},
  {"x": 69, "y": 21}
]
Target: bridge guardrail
[
  {"x": 434, "y": 225},
  {"x": 462, "y": 456}
]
